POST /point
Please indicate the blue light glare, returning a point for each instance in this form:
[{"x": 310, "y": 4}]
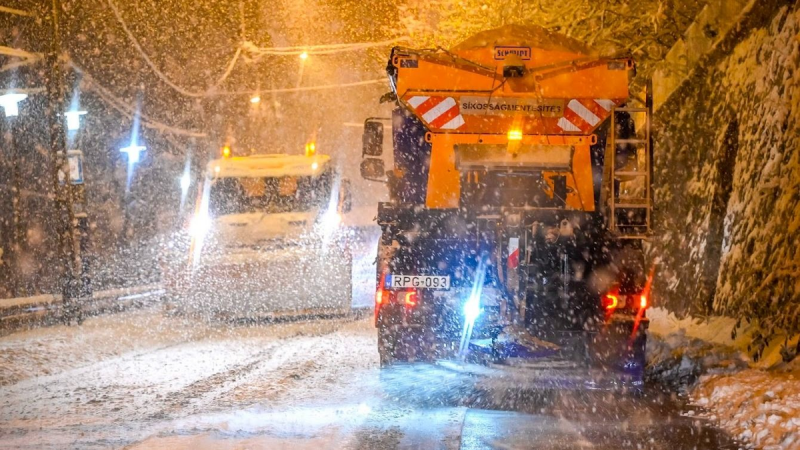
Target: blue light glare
[
  {"x": 472, "y": 309},
  {"x": 74, "y": 120}
]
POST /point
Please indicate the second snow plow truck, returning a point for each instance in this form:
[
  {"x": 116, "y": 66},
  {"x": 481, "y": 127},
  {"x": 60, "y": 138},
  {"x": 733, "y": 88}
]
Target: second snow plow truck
[{"x": 520, "y": 199}]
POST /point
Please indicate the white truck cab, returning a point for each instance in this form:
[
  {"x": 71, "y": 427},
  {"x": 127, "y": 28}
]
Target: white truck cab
[{"x": 267, "y": 239}]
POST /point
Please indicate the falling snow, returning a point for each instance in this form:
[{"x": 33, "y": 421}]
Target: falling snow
[{"x": 223, "y": 224}]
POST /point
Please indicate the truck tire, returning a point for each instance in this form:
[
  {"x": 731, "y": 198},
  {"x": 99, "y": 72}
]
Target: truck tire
[
  {"x": 388, "y": 347},
  {"x": 638, "y": 354},
  {"x": 349, "y": 292}
]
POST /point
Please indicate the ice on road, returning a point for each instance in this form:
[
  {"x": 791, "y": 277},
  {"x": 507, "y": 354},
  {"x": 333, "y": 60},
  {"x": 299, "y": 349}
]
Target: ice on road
[{"x": 142, "y": 380}]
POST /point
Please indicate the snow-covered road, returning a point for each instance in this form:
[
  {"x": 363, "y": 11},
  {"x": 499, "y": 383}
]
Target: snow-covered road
[{"x": 142, "y": 380}]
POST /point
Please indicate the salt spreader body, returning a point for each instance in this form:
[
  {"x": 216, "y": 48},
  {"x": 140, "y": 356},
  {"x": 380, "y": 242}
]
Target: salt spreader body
[{"x": 520, "y": 201}]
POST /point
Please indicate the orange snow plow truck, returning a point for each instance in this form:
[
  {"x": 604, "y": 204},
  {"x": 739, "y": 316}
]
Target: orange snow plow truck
[{"x": 520, "y": 199}]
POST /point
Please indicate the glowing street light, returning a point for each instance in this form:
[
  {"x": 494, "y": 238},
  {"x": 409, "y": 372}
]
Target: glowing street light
[
  {"x": 74, "y": 119},
  {"x": 10, "y": 103},
  {"x": 304, "y": 56},
  {"x": 186, "y": 181},
  {"x": 256, "y": 99},
  {"x": 134, "y": 152}
]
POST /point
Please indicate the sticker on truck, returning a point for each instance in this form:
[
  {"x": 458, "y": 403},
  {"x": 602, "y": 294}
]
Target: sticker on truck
[
  {"x": 394, "y": 281},
  {"x": 502, "y": 51}
]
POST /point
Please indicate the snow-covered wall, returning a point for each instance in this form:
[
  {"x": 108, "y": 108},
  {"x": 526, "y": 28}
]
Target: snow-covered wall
[{"x": 727, "y": 177}]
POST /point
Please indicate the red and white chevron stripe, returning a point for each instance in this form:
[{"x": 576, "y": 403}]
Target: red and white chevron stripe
[
  {"x": 438, "y": 112},
  {"x": 583, "y": 115},
  {"x": 513, "y": 253}
]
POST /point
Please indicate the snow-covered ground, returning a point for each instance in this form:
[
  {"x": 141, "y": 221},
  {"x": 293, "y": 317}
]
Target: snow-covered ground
[
  {"x": 143, "y": 380},
  {"x": 126, "y": 377},
  {"x": 758, "y": 402}
]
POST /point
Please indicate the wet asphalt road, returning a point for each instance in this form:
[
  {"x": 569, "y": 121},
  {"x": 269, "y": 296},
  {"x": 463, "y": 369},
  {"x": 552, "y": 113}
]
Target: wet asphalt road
[
  {"x": 140, "y": 380},
  {"x": 496, "y": 415},
  {"x": 147, "y": 380}
]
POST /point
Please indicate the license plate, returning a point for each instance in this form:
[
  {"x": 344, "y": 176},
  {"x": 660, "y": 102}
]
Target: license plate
[{"x": 418, "y": 281}]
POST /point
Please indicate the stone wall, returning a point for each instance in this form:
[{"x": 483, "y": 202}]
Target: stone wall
[{"x": 727, "y": 176}]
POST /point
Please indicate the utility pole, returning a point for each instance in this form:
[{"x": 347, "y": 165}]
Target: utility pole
[
  {"x": 68, "y": 253},
  {"x": 18, "y": 233}
]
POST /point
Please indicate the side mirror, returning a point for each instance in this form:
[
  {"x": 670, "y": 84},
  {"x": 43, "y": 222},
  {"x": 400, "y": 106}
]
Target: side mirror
[
  {"x": 373, "y": 169},
  {"x": 345, "y": 196},
  {"x": 372, "y": 139}
]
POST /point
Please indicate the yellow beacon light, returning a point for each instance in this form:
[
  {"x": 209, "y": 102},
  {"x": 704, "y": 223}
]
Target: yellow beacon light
[
  {"x": 514, "y": 135},
  {"x": 311, "y": 149},
  {"x": 226, "y": 151}
]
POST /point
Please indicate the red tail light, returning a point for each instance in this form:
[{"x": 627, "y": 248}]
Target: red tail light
[
  {"x": 614, "y": 300},
  {"x": 381, "y": 297},
  {"x": 610, "y": 301}
]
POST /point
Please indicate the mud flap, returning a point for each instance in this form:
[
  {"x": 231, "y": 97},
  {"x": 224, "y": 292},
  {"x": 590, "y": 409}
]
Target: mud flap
[{"x": 620, "y": 347}]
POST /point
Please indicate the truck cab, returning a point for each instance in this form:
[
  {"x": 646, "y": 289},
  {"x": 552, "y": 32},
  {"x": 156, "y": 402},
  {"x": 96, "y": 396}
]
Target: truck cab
[{"x": 267, "y": 239}]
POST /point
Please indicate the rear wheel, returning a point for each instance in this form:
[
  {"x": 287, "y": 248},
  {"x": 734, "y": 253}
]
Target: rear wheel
[
  {"x": 388, "y": 348},
  {"x": 349, "y": 292}
]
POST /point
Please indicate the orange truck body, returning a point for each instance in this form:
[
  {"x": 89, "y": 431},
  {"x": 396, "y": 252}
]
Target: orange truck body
[{"x": 478, "y": 116}]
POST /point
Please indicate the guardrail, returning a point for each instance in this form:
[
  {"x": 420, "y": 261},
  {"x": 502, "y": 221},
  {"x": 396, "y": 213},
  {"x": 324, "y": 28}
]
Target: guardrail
[{"x": 15, "y": 312}]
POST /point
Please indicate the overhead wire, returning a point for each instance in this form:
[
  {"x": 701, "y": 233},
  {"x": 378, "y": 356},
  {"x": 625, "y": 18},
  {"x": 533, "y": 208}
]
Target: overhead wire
[
  {"x": 18, "y": 64},
  {"x": 322, "y": 49},
  {"x": 130, "y": 111},
  {"x": 158, "y": 71},
  {"x": 15, "y": 11},
  {"x": 260, "y": 51},
  {"x": 127, "y": 110},
  {"x": 305, "y": 88},
  {"x": 26, "y": 57},
  {"x": 18, "y": 53}
]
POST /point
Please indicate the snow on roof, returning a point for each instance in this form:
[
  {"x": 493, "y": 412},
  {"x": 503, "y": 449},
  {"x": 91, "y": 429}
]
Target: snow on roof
[
  {"x": 524, "y": 36},
  {"x": 276, "y": 165}
]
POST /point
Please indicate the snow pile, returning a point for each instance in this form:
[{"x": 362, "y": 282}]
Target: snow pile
[
  {"x": 727, "y": 337},
  {"x": 757, "y": 401},
  {"x": 680, "y": 350},
  {"x": 646, "y": 29},
  {"x": 756, "y": 406}
]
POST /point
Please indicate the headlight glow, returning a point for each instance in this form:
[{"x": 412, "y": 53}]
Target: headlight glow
[
  {"x": 331, "y": 221},
  {"x": 199, "y": 225},
  {"x": 472, "y": 309}
]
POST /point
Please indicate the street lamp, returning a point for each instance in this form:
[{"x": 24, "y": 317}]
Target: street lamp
[
  {"x": 74, "y": 119},
  {"x": 186, "y": 182},
  {"x": 303, "y": 58},
  {"x": 10, "y": 103},
  {"x": 133, "y": 152}
]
